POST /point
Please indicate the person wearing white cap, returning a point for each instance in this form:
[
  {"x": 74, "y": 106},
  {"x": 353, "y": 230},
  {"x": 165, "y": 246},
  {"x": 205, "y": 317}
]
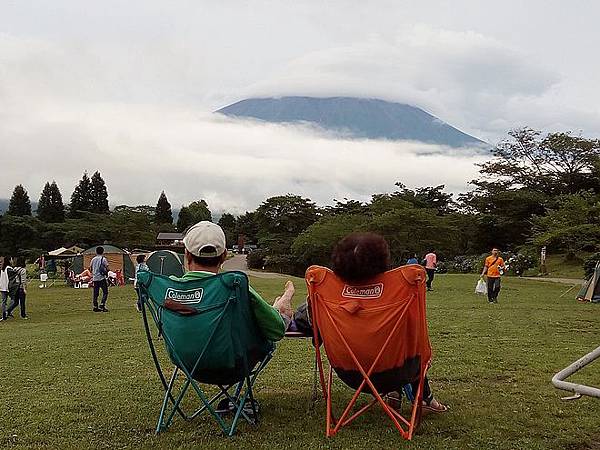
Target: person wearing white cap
[{"x": 205, "y": 252}]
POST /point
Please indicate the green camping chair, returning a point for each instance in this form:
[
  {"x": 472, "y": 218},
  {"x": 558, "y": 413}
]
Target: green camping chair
[{"x": 211, "y": 338}]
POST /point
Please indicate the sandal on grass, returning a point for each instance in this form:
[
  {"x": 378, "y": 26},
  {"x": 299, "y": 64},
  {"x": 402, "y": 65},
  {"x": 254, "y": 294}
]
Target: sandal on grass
[{"x": 438, "y": 408}]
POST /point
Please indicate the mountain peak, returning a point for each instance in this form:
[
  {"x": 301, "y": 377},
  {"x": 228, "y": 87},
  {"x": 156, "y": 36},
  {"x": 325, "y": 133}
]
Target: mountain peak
[{"x": 359, "y": 118}]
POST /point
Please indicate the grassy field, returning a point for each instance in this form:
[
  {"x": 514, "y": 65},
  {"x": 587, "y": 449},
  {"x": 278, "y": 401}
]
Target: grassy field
[{"x": 72, "y": 378}]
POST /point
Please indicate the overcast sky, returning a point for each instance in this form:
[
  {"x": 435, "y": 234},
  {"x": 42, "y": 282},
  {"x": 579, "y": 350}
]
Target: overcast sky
[{"x": 128, "y": 87}]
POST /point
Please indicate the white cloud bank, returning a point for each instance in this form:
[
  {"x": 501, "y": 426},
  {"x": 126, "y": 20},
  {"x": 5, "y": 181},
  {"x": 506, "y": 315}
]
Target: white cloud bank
[{"x": 234, "y": 165}]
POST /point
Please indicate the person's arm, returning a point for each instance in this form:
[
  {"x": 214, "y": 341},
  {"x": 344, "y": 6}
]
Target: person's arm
[
  {"x": 501, "y": 264},
  {"x": 485, "y": 267},
  {"x": 268, "y": 318},
  {"x": 24, "y": 279}
]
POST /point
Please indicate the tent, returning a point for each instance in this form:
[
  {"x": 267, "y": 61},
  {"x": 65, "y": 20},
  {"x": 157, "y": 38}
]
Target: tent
[
  {"x": 166, "y": 262},
  {"x": 118, "y": 259},
  {"x": 64, "y": 253},
  {"x": 590, "y": 291}
]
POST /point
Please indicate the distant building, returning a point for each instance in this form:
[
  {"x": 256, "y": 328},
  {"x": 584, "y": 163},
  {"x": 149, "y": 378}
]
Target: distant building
[{"x": 169, "y": 239}]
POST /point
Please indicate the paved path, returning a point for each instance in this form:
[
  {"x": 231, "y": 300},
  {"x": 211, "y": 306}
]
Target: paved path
[{"x": 238, "y": 262}]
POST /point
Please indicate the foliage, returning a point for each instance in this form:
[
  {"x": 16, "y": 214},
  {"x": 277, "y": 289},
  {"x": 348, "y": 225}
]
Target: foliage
[
  {"x": 502, "y": 217},
  {"x": 19, "y": 233},
  {"x": 314, "y": 245},
  {"x": 247, "y": 227},
  {"x": 256, "y": 259},
  {"x": 193, "y": 213},
  {"x": 518, "y": 263},
  {"x": 50, "y": 207},
  {"x": 19, "y": 205},
  {"x": 228, "y": 223},
  {"x": 98, "y": 194},
  {"x": 465, "y": 264},
  {"x": 163, "y": 213},
  {"x": 345, "y": 207},
  {"x": 280, "y": 219},
  {"x": 558, "y": 163},
  {"x": 572, "y": 226},
  {"x": 590, "y": 264},
  {"x": 81, "y": 198}
]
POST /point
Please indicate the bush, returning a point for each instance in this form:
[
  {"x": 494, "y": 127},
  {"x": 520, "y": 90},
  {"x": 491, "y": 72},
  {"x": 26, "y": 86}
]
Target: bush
[
  {"x": 518, "y": 263},
  {"x": 465, "y": 264},
  {"x": 590, "y": 264},
  {"x": 442, "y": 267},
  {"x": 283, "y": 264},
  {"x": 256, "y": 259}
]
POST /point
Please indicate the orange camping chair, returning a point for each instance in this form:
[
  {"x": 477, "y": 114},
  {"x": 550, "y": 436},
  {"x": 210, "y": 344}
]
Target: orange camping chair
[{"x": 375, "y": 338}]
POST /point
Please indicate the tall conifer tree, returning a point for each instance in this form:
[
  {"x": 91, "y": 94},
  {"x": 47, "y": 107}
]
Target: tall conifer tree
[
  {"x": 99, "y": 194},
  {"x": 50, "y": 207},
  {"x": 81, "y": 199},
  {"x": 19, "y": 205},
  {"x": 163, "y": 213}
]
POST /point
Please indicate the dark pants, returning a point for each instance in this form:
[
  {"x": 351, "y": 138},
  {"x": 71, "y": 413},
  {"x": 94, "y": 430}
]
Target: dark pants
[
  {"x": 493, "y": 288},
  {"x": 102, "y": 284},
  {"x": 139, "y": 298},
  {"x": 430, "y": 274},
  {"x": 411, "y": 391},
  {"x": 4, "y": 298},
  {"x": 18, "y": 299}
]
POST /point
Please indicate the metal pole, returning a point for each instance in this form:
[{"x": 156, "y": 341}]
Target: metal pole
[{"x": 579, "y": 389}]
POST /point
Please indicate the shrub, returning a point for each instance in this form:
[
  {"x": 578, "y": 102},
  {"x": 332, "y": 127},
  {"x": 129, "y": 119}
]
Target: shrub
[
  {"x": 519, "y": 262},
  {"x": 590, "y": 264},
  {"x": 256, "y": 259}
]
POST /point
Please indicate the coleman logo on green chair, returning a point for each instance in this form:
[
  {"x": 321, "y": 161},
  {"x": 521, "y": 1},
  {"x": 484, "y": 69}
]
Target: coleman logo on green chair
[{"x": 188, "y": 297}]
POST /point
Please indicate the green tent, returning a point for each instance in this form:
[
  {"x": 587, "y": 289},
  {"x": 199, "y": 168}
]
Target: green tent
[
  {"x": 590, "y": 291},
  {"x": 118, "y": 259},
  {"x": 166, "y": 262}
]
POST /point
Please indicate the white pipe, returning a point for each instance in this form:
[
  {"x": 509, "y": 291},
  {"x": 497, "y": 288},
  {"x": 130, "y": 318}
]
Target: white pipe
[{"x": 558, "y": 379}]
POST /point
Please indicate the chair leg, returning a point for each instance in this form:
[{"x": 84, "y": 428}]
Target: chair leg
[{"x": 159, "y": 425}]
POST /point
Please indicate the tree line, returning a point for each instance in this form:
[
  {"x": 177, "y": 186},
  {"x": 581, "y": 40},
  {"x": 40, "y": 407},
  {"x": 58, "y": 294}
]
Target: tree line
[{"x": 537, "y": 190}]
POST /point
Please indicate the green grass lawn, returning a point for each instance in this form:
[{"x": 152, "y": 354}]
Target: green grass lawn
[{"x": 76, "y": 379}]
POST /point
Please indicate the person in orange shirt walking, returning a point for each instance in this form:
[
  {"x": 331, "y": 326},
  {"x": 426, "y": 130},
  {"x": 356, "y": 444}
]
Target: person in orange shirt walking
[{"x": 493, "y": 268}]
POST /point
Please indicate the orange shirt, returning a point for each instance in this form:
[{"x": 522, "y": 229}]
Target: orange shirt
[{"x": 493, "y": 266}]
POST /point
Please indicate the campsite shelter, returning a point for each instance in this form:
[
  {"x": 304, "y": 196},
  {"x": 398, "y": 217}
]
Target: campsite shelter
[
  {"x": 117, "y": 259},
  {"x": 64, "y": 253},
  {"x": 166, "y": 262},
  {"x": 590, "y": 291}
]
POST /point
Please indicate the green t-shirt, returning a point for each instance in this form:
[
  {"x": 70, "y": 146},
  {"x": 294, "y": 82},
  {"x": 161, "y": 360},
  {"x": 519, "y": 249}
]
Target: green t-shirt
[{"x": 267, "y": 318}]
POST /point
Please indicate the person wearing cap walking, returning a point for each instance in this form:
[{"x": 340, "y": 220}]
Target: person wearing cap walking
[{"x": 205, "y": 252}]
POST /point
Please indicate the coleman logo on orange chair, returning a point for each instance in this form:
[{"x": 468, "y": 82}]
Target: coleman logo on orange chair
[
  {"x": 188, "y": 297},
  {"x": 366, "y": 291}
]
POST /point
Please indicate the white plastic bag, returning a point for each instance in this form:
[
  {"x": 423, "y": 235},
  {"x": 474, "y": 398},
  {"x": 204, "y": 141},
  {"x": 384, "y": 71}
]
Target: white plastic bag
[{"x": 481, "y": 287}]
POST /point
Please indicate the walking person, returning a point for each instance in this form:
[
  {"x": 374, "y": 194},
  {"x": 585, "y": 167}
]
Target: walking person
[
  {"x": 430, "y": 265},
  {"x": 17, "y": 287},
  {"x": 413, "y": 259},
  {"x": 99, "y": 269},
  {"x": 4, "y": 284},
  {"x": 141, "y": 265},
  {"x": 493, "y": 268}
]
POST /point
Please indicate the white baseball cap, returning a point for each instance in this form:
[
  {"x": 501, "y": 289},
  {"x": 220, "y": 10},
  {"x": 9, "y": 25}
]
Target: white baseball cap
[{"x": 203, "y": 235}]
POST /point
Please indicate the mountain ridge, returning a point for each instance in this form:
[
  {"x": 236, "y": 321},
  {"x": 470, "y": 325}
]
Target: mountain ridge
[{"x": 355, "y": 117}]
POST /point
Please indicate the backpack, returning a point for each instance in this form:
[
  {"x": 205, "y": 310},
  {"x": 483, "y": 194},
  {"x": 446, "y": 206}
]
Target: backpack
[{"x": 14, "y": 278}]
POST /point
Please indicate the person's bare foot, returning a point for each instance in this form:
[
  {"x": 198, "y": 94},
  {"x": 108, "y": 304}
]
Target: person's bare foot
[{"x": 283, "y": 304}]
